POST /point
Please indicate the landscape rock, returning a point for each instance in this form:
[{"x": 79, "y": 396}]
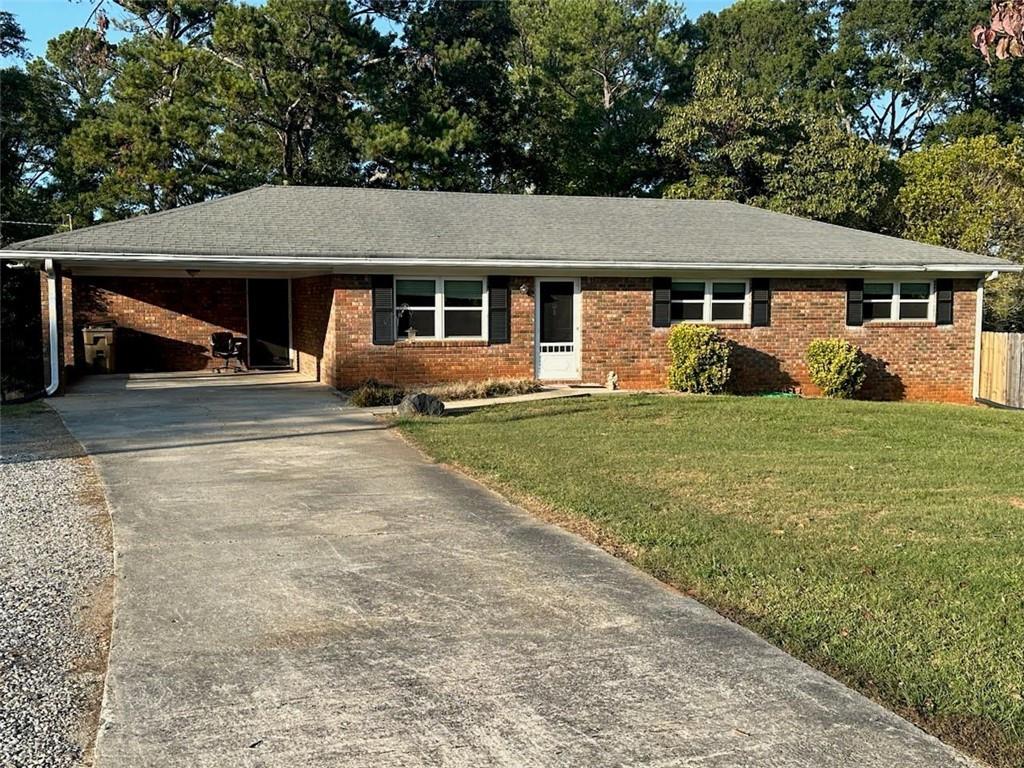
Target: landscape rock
[{"x": 421, "y": 404}]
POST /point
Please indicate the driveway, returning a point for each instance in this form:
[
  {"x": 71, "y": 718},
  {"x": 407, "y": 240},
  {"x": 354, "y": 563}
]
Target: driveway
[{"x": 298, "y": 587}]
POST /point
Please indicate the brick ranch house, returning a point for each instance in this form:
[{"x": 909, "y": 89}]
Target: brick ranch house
[{"x": 420, "y": 287}]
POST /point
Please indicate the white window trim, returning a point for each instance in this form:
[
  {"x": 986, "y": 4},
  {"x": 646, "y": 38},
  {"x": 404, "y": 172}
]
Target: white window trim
[
  {"x": 708, "y": 301},
  {"x": 439, "y": 308},
  {"x": 894, "y": 302}
]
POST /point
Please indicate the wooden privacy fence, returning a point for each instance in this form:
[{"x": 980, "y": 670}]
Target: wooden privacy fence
[{"x": 1002, "y": 369}]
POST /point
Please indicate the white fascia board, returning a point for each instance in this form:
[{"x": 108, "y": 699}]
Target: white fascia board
[{"x": 388, "y": 263}]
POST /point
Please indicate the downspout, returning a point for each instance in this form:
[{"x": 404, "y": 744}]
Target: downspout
[{"x": 51, "y": 300}]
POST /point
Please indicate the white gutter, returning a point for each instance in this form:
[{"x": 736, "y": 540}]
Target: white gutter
[
  {"x": 183, "y": 260},
  {"x": 51, "y": 298}
]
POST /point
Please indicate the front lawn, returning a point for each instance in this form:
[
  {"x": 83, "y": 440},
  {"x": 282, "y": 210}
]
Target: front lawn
[{"x": 881, "y": 542}]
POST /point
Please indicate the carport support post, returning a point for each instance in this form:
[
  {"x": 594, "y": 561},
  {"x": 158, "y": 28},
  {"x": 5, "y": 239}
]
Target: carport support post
[{"x": 55, "y": 315}]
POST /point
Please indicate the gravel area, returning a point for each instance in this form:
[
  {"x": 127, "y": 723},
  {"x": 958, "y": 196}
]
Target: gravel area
[{"x": 55, "y": 592}]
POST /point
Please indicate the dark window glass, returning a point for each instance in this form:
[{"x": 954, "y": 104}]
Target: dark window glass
[
  {"x": 728, "y": 290},
  {"x": 687, "y": 311},
  {"x": 414, "y": 293},
  {"x": 420, "y": 319},
  {"x": 462, "y": 323},
  {"x": 691, "y": 291},
  {"x": 463, "y": 293},
  {"x": 917, "y": 310},
  {"x": 881, "y": 310},
  {"x": 556, "y": 308},
  {"x": 727, "y": 311},
  {"x": 914, "y": 290},
  {"x": 877, "y": 290}
]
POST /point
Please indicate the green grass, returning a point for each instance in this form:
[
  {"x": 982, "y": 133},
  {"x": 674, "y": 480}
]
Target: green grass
[{"x": 881, "y": 542}]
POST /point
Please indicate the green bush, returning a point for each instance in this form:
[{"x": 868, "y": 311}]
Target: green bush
[
  {"x": 700, "y": 359},
  {"x": 836, "y": 367},
  {"x": 371, "y": 393}
]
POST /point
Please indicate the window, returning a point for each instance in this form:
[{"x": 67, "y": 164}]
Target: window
[
  {"x": 710, "y": 301},
  {"x": 463, "y": 308},
  {"x": 898, "y": 301},
  {"x": 440, "y": 308}
]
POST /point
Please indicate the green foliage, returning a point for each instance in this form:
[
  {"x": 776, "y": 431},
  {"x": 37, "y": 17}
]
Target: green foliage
[
  {"x": 970, "y": 195},
  {"x": 759, "y": 151},
  {"x": 592, "y": 73},
  {"x": 700, "y": 359},
  {"x": 296, "y": 76},
  {"x": 836, "y": 367},
  {"x": 449, "y": 118}
]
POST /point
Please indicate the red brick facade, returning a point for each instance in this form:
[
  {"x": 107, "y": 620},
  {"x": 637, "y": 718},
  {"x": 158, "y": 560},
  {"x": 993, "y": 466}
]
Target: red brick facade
[
  {"x": 166, "y": 324},
  {"x": 358, "y": 359},
  {"x": 918, "y": 361}
]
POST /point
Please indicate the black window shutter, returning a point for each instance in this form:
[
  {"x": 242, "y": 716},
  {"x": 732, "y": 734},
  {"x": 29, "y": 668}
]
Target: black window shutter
[
  {"x": 499, "y": 311},
  {"x": 855, "y": 302},
  {"x": 760, "y": 301},
  {"x": 944, "y": 302},
  {"x": 662, "y": 302},
  {"x": 383, "y": 290}
]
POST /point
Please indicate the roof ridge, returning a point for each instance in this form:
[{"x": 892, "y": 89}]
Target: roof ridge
[{"x": 147, "y": 217}]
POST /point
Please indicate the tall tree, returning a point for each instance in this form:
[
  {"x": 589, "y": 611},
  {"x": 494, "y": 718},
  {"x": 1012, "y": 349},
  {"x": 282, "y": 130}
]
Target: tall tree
[
  {"x": 449, "y": 117},
  {"x": 756, "y": 150},
  {"x": 969, "y": 194},
  {"x": 152, "y": 143},
  {"x": 594, "y": 73},
  {"x": 33, "y": 123},
  {"x": 776, "y": 47},
  {"x": 905, "y": 66},
  {"x": 298, "y": 76}
]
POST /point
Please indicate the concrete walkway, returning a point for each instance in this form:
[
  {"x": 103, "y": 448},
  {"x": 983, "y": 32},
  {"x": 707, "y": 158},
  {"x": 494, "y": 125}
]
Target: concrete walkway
[{"x": 298, "y": 587}]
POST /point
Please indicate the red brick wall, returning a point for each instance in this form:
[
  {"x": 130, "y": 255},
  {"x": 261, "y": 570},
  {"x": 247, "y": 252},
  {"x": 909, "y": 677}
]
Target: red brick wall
[
  {"x": 164, "y": 323},
  {"x": 422, "y": 362},
  {"x": 917, "y": 362},
  {"x": 312, "y": 299}
]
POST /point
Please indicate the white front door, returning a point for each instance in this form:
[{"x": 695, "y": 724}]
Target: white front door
[{"x": 557, "y": 331}]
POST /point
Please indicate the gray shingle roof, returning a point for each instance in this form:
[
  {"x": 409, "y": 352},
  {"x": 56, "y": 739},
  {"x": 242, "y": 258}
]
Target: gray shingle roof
[{"x": 337, "y": 224}]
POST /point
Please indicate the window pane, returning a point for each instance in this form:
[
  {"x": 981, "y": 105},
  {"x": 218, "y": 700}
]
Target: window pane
[
  {"x": 727, "y": 311},
  {"x": 917, "y": 310},
  {"x": 877, "y": 310},
  {"x": 415, "y": 293},
  {"x": 728, "y": 290},
  {"x": 421, "y": 320},
  {"x": 557, "y": 304},
  {"x": 914, "y": 290},
  {"x": 460, "y": 323},
  {"x": 463, "y": 293},
  {"x": 682, "y": 291},
  {"x": 687, "y": 311},
  {"x": 877, "y": 290}
]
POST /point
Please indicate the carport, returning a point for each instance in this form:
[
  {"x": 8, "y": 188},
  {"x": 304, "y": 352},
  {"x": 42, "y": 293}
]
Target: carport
[{"x": 164, "y": 317}]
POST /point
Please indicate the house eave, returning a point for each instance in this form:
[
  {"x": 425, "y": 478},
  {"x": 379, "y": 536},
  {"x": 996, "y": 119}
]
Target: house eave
[{"x": 389, "y": 263}]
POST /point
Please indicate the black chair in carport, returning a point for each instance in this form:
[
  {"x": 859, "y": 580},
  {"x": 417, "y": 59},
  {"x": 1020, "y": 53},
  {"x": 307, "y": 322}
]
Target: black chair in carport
[{"x": 225, "y": 346}]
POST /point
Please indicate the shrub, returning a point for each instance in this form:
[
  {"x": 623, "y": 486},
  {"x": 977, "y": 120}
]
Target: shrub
[
  {"x": 474, "y": 390},
  {"x": 836, "y": 367},
  {"x": 700, "y": 359},
  {"x": 371, "y": 393}
]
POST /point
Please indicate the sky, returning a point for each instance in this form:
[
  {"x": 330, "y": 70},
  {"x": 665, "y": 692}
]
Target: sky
[{"x": 43, "y": 20}]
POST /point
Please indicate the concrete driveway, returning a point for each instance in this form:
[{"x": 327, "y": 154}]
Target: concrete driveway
[{"x": 298, "y": 587}]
